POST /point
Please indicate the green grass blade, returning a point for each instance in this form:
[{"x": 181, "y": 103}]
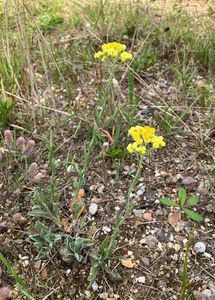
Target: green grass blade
[{"x": 17, "y": 278}]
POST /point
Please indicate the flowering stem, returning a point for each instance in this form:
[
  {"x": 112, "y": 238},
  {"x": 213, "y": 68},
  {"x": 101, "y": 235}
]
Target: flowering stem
[{"x": 133, "y": 184}]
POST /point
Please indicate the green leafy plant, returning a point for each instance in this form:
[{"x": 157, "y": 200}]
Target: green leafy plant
[
  {"x": 75, "y": 247},
  {"x": 45, "y": 240},
  {"x": 184, "y": 203},
  {"x": 46, "y": 204},
  {"x": 6, "y": 108},
  {"x": 101, "y": 258},
  {"x": 49, "y": 21}
]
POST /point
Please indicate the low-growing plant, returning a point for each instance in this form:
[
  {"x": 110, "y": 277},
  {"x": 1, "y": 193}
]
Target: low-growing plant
[
  {"x": 166, "y": 120},
  {"x": 45, "y": 240},
  {"x": 46, "y": 204},
  {"x": 49, "y": 242},
  {"x": 146, "y": 59},
  {"x": 75, "y": 247},
  {"x": 46, "y": 201},
  {"x": 184, "y": 203},
  {"x": 100, "y": 259}
]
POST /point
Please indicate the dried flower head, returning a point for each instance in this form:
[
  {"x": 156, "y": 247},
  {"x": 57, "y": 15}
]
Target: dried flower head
[
  {"x": 4, "y": 293},
  {"x": 20, "y": 142},
  {"x": 38, "y": 177},
  {"x": 32, "y": 169},
  {"x": 8, "y": 136},
  {"x": 18, "y": 218},
  {"x": 29, "y": 147}
]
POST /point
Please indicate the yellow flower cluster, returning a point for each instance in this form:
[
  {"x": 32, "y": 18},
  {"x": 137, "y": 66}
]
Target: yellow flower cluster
[
  {"x": 144, "y": 135},
  {"x": 112, "y": 50},
  {"x": 157, "y": 142},
  {"x": 134, "y": 147}
]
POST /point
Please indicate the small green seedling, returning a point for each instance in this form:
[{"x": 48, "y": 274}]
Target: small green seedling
[{"x": 184, "y": 202}]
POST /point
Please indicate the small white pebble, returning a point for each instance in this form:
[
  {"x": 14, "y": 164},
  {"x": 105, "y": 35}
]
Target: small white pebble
[
  {"x": 69, "y": 169},
  {"x": 140, "y": 193},
  {"x": 117, "y": 208},
  {"x": 93, "y": 208},
  {"x": 106, "y": 229},
  {"x": 160, "y": 247},
  {"x": 171, "y": 237},
  {"x": 206, "y": 254},
  {"x": 184, "y": 242},
  {"x": 25, "y": 263},
  {"x": 141, "y": 279},
  {"x": 95, "y": 286},
  {"x": 130, "y": 253},
  {"x": 103, "y": 295},
  {"x": 176, "y": 247},
  {"x": 199, "y": 247},
  {"x": 68, "y": 271},
  {"x": 24, "y": 257}
]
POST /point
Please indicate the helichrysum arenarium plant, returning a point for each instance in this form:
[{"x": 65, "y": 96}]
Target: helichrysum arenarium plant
[{"x": 144, "y": 143}]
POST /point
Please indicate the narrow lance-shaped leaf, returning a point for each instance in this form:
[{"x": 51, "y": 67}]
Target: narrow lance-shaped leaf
[
  {"x": 182, "y": 194},
  {"x": 168, "y": 202},
  {"x": 193, "y": 215}
]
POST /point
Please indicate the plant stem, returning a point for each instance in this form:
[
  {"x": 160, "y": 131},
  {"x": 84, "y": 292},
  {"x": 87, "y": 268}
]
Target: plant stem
[
  {"x": 133, "y": 184},
  {"x": 185, "y": 272}
]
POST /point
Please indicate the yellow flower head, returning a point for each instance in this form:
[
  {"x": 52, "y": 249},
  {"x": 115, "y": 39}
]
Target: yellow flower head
[
  {"x": 125, "y": 56},
  {"x": 111, "y": 50},
  {"x": 143, "y": 136},
  {"x": 158, "y": 142},
  {"x": 130, "y": 148},
  {"x": 141, "y": 149},
  {"x": 134, "y": 147},
  {"x": 147, "y": 133},
  {"x": 113, "y": 45},
  {"x": 140, "y": 134},
  {"x": 99, "y": 54}
]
